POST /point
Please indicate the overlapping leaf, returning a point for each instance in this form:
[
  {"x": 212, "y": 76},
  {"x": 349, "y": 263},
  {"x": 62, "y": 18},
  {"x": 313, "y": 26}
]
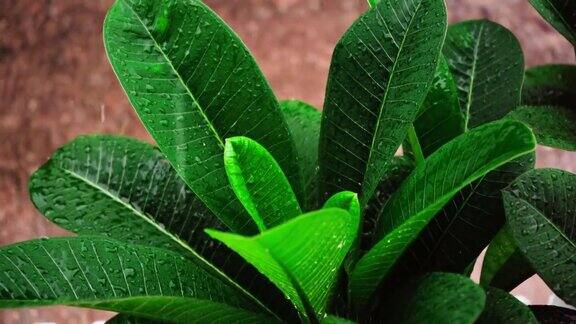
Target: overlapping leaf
[
  {"x": 541, "y": 211},
  {"x": 429, "y": 188},
  {"x": 380, "y": 74},
  {"x": 550, "y": 85},
  {"x": 501, "y": 307},
  {"x": 560, "y": 14},
  {"x": 105, "y": 274},
  {"x": 193, "y": 84},
  {"x": 488, "y": 66}
]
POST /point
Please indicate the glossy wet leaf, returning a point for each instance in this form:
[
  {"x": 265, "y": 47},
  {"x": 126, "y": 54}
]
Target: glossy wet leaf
[
  {"x": 504, "y": 266},
  {"x": 259, "y": 183},
  {"x": 501, "y": 307},
  {"x": 105, "y": 274},
  {"x": 435, "y": 298},
  {"x": 547, "y": 314},
  {"x": 560, "y": 14},
  {"x": 541, "y": 211},
  {"x": 488, "y": 66},
  {"x": 302, "y": 257},
  {"x": 550, "y": 85},
  {"x": 380, "y": 74},
  {"x": 554, "y": 126},
  {"x": 430, "y": 186},
  {"x": 348, "y": 201},
  {"x": 193, "y": 84},
  {"x": 304, "y": 124}
]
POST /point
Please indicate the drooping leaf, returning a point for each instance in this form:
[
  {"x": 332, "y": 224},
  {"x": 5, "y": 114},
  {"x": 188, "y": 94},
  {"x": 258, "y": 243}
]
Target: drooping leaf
[
  {"x": 435, "y": 298},
  {"x": 547, "y": 314},
  {"x": 304, "y": 124},
  {"x": 541, "y": 211},
  {"x": 550, "y": 85},
  {"x": 561, "y": 14},
  {"x": 430, "y": 186},
  {"x": 380, "y": 74},
  {"x": 193, "y": 84},
  {"x": 302, "y": 256},
  {"x": 126, "y": 189},
  {"x": 503, "y": 308},
  {"x": 259, "y": 183},
  {"x": 440, "y": 118},
  {"x": 554, "y": 126},
  {"x": 504, "y": 266},
  {"x": 487, "y": 63},
  {"x": 105, "y": 274}
]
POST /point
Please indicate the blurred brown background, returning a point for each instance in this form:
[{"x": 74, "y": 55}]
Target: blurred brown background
[{"x": 55, "y": 83}]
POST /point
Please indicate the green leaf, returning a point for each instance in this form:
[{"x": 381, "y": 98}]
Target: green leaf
[
  {"x": 430, "y": 186},
  {"x": 440, "y": 118},
  {"x": 133, "y": 279},
  {"x": 560, "y": 14},
  {"x": 553, "y": 314},
  {"x": 550, "y": 85},
  {"x": 302, "y": 256},
  {"x": 193, "y": 84},
  {"x": 436, "y": 298},
  {"x": 504, "y": 266},
  {"x": 487, "y": 63},
  {"x": 129, "y": 319},
  {"x": 540, "y": 209},
  {"x": 330, "y": 319},
  {"x": 373, "y": 3},
  {"x": 501, "y": 307},
  {"x": 553, "y": 126},
  {"x": 304, "y": 124},
  {"x": 380, "y": 74},
  {"x": 126, "y": 189},
  {"x": 259, "y": 183}
]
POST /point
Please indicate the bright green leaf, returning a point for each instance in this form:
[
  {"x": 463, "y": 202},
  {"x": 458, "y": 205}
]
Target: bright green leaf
[
  {"x": 541, "y": 212},
  {"x": 487, "y": 63},
  {"x": 259, "y": 183},
  {"x": 560, "y": 14},
  {"x": 380, "y": 74},
  {"x": 304, "y": 124},
  {"x": 302, "y": 257},
  {"x": 423, "y": 194},
  {"x": 501, "y": 307},
  {"x": 554, "y": 126},
  {"x": 550, "y": 85},
  {"x": 193, "y": 84}
]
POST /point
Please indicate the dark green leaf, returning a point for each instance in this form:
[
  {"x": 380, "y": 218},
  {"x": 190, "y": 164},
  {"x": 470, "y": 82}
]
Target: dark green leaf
[
  {"x": 129, "y": 319},
  {"x": 488, "y": 65},
  {"x": 302, "y": 257},
  {"x": 550, "y": 85},
  {"x": 561, "y": 14},
  {"x": 553, "y": 126},
  {"x": 259, "y": 183},
  {"x": 380, "y": 74},
  {"x": 541, "y": 211},
  {"x": 330, "y": 319},
  {"x": 436, "y": 298},
  {"x": 105, "y": 274},
  {"x": 193, "y": 84},
  {"x": 554, "y": 314},
  {"x": 304, "y": 124},
  {"x": 423, "y": 194},
  {"x": 503, "y": 308},
  {"x": 504, "y": 266}
]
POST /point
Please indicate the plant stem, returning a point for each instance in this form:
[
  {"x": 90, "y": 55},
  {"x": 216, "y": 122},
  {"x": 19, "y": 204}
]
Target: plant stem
[{"x": 415, "y": 145}]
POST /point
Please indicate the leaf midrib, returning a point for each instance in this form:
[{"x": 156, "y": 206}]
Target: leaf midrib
[{"x": 473, "y": 76}]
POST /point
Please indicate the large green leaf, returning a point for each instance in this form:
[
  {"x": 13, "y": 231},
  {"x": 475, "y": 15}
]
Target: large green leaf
[
  {"x": 430, "y": 186},
  {"x": 553, "y": 314},
  {"x": 380, "y": 74},
  {"x": 554, "y": 126},
  {"x": 503, "y": 308},
  {"x": 435, "y": 298},
  {"x": 561, "y": 14},
  {"x": 259, "y": 183},
  {"x": 541, "y": 211},
  {"x": 133, "y": 279},
  {"x": 487, "y": 63},
  {"x": 550, "y": 85},
  {"x": 193, "y": 84},
  {"x": 304, "y": 124},
  {"x": 504, "y": 266},
  {"x": 302, "y": 257},
  {"x": 126, "y": 190}
]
